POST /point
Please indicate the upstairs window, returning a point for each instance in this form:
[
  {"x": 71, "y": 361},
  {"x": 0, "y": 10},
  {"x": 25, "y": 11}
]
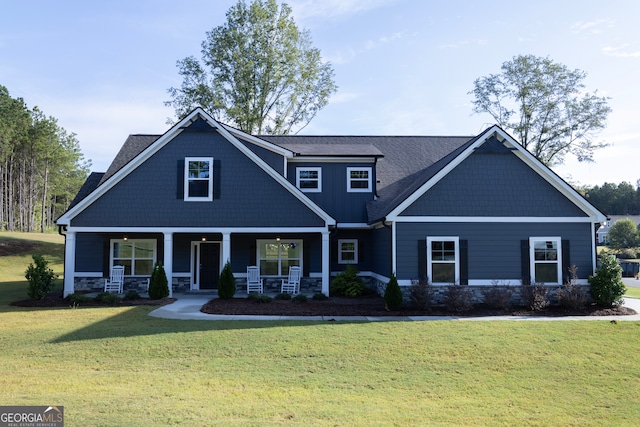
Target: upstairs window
[
  {"x": 198, "y": 180},
  {"x": 309, "y": 180},
  {"x": 359, "y": 180}
]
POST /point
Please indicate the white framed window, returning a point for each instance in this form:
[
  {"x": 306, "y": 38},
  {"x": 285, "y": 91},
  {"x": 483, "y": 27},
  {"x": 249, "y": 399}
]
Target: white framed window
[
  {"x": 359, "y": 180},
  {"x": 545, "y": 257},
  {"x": 309, "y": 179},
  {"x": 347, "y": 251},
  {"x": 443, "y": 259},
  {"x": 276, "y": 256},
  {"x": 198, "y": 179},
  {"x": 138, "y": 256}
]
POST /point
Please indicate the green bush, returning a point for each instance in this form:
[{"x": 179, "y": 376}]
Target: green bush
[
  {"x": 319, "y": 296},
  {"x": 627, "y": 254},
  {"x": 393, "y": 295},
  {"x": 300, "y": 298},
  {"x": 158, "y": 284},
  {"x": 107, "y": 298},
  {"x": 132, "y": 295},
  {"x": 348, "y": 283},
  {"x": 606, "y": 285},
  {"x": 283, "y": 296},
  {"x": 227, "y": 283},
  {"x": 259, "y": 298},
  {"x": 78, "y": 298},
  {"x": 40, "y": 277}
]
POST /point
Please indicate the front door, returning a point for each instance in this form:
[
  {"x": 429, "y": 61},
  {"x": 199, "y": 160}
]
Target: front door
[{"x": 209, "y": 265}]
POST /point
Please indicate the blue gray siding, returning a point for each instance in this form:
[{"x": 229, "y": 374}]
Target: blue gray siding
[
  {"x": 493, "y": 184},
  {"x": 365, "y": 249},
  {"x": 382, "y": 251},
  {"x": 493, "y": 248},
  {"x": 91, "y": 251},
  {"x": 275, "y": 160},
  {"x": 244, "y": 194},
  {"x": 334, "y": 198}
]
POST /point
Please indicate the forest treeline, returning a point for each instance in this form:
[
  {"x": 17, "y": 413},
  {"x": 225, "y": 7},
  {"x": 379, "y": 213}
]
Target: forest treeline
[
  {"x": 41, "y": 167},
  {"x": 614, "y": 199}
]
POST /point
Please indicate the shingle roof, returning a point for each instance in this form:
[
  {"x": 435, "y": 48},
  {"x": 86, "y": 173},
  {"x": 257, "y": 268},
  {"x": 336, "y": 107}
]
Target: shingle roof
[
  {"x": 134, "y": 145},
  {"x": 89, "y": 185}
]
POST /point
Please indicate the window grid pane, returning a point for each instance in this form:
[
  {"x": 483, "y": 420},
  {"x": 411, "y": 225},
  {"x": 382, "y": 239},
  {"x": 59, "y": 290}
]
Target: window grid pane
[{"x": 277, "y": 257}]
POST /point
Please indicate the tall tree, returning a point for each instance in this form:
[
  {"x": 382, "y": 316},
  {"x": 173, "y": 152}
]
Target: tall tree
[
  {"x": 544, "y": 104},
  {"x": 259, "y": 72}
]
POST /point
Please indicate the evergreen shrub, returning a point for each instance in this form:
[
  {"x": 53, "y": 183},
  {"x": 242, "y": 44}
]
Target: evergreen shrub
[
  {"x": 158, "y": 285},
  {"x": 227, "y": 283},
  {"x": 606, "y": 286},
  {"x": 393, "y": 295},
  {"x": 40, "y": 277}
]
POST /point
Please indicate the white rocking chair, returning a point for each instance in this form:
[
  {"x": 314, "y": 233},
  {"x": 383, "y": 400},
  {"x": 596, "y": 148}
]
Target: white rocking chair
[
  {"x": 292, "y": 284},
  {"x": 254, "y": 282},
  {"x": 116, "y": 281}
]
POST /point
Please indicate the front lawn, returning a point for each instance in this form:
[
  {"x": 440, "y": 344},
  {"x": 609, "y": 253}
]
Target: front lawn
[{"x": 118, "y": 366}]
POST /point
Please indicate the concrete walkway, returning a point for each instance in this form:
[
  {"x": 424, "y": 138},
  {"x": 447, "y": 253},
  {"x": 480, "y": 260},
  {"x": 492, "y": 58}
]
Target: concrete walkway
[{"x": 187, "y": 307}]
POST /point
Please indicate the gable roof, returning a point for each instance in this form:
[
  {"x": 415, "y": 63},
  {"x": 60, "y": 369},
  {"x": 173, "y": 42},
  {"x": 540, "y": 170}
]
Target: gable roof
[{"x": 138, "y": 148}]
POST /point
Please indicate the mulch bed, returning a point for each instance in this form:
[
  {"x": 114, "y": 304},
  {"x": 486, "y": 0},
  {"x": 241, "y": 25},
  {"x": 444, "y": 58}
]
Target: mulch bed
[
  {"x": 373, "y": 305},
  {"x": 368, "y": 305}
]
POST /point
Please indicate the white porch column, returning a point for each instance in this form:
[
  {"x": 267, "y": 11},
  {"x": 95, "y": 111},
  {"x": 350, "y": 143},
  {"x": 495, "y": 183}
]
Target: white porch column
[
  {"x": 226, "y": 248},
  {"x": 168, "y": 260},
  {"x": 326, "y": 266},
  {"x": 69, "y": 262}
]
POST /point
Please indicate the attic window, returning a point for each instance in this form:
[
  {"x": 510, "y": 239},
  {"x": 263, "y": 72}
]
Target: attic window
[{"x": 198, "y": 180}]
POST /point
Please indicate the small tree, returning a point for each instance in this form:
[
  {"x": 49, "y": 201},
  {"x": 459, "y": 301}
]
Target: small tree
[
  {"x": 227, "y": 283},
  {"x": 348, "y": 283},
  {"x": 158, "y": 285},
  {"x": 623, "y": 234},
  {"x": 393, "y": 295},
  {"x": 606, "y": 285},
  {"x": 40, "y": 277}
]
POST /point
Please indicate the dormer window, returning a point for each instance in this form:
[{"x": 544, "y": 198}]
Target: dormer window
[
  {"x": 198, "y": 179},
  {"x": 359, "y": 180},
  {"x": 309, "y": 179}
]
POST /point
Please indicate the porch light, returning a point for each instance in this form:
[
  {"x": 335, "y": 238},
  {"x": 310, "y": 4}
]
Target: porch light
[
  {"x": 278, "y": 239},
  {"x": 204, "y": 239},
  {"x": 125, "y": 238}
]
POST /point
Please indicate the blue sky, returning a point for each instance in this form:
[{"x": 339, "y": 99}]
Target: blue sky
[{"x": 404, "y": 67}]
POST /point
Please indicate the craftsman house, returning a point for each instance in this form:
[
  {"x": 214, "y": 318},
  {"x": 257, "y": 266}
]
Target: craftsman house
[{"x": 467, "y": 210}]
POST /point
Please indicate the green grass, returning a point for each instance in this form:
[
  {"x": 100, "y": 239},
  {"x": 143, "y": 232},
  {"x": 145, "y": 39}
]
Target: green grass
[
  {"x": 632, "y": 292},
  {"x": 118, "y": 366}
]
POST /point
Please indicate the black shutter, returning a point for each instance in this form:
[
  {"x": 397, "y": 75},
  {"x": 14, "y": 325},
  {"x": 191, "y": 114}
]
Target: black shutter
[
  {"x": 422, "y": 259},
  {"x": 253, "y": 248},
  {"x": 180, "y": 180},
  {"x": 106, "y": 256},
  {"x": 566, "y": 261},
  {"x": 464, "y": 262},
  {"x": 306, "y": 257},
  {"x": 524, "y": 261},
  {"x": 216, "y": 179}
]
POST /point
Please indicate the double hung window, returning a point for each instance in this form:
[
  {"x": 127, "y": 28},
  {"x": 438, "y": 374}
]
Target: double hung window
[
  {"x": 546, "y": 259},
  {"x": 276, "y": 256},
  {"x": 347, "y": 251},
  {"x": 443, "y": 259},
  {"x": 359, "y": 180},
  {"x": 198, "y": 179},
  {"x": 137, "y": 256},
  {"x": 309, "y": 179}
]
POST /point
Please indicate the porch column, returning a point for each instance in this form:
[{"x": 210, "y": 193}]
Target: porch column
[
  {"x": 168, "y": 260},
  {"x": 325, "y": 263},
  {"x": 69, "y": 262},
  {"x": 226, "y": 248}
]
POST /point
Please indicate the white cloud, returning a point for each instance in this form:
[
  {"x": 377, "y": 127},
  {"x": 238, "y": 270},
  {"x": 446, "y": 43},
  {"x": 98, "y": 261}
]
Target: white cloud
[
  {"x": 621, "y": 51},
  {"x": 455, "y": 45},
  {"x": 592, "y": 27},
  {"x": 305, "y": 9}
]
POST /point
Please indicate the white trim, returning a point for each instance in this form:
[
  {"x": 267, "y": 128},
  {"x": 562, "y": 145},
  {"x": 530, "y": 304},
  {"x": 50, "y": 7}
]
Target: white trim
[
  {"x": 394, "y": 249},
  {"x": 318, "y": 180},
  {"x": 490, "y": 219},
  {"x": 354, "y": 251},
  {"x": 592, "y": 213},
  {"x": 66, "y": 218},
  {"x": 456, "y": 260},
  {"x": 325, "y": 159},
  {"x": 557, "y": 262},
  {"x": 362, "y": 225},
  {"x": 369, "y": 180},
  {"x": 198, "y": 230},
  {"x": 187, "y": 179},
  {"x": 258, "y": 141}
]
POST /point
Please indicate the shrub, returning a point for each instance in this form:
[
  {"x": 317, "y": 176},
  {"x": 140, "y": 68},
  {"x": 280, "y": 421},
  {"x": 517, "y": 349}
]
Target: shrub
[
  {"x": 77, "y": 298},
  {"x": 283, "y": 296},
  {"x": 319, "y": 296},
  {"x": 158, "y": 284},
  {"x": 132, "y": 295},
  {"x": 227, "y": 283},
  {"x": 107, "y": 298},
  {"x": 458, "y": 298},
  {"x": 300, "y": 298},
  {"x": 422, "y": 294},
  {"x": 627, "y": 254},
  {"x": 393, "y": 295},
  {"x": 348, "y": 283},
  {"x": 572, "y": 295},
  {"x": 535, "y": 295},
  {"x": 40, "y": 277},
  {"x": 606, "y": 285},
  {"x": 259, "y": 298},
  {"x": 498, "y": 296}
]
